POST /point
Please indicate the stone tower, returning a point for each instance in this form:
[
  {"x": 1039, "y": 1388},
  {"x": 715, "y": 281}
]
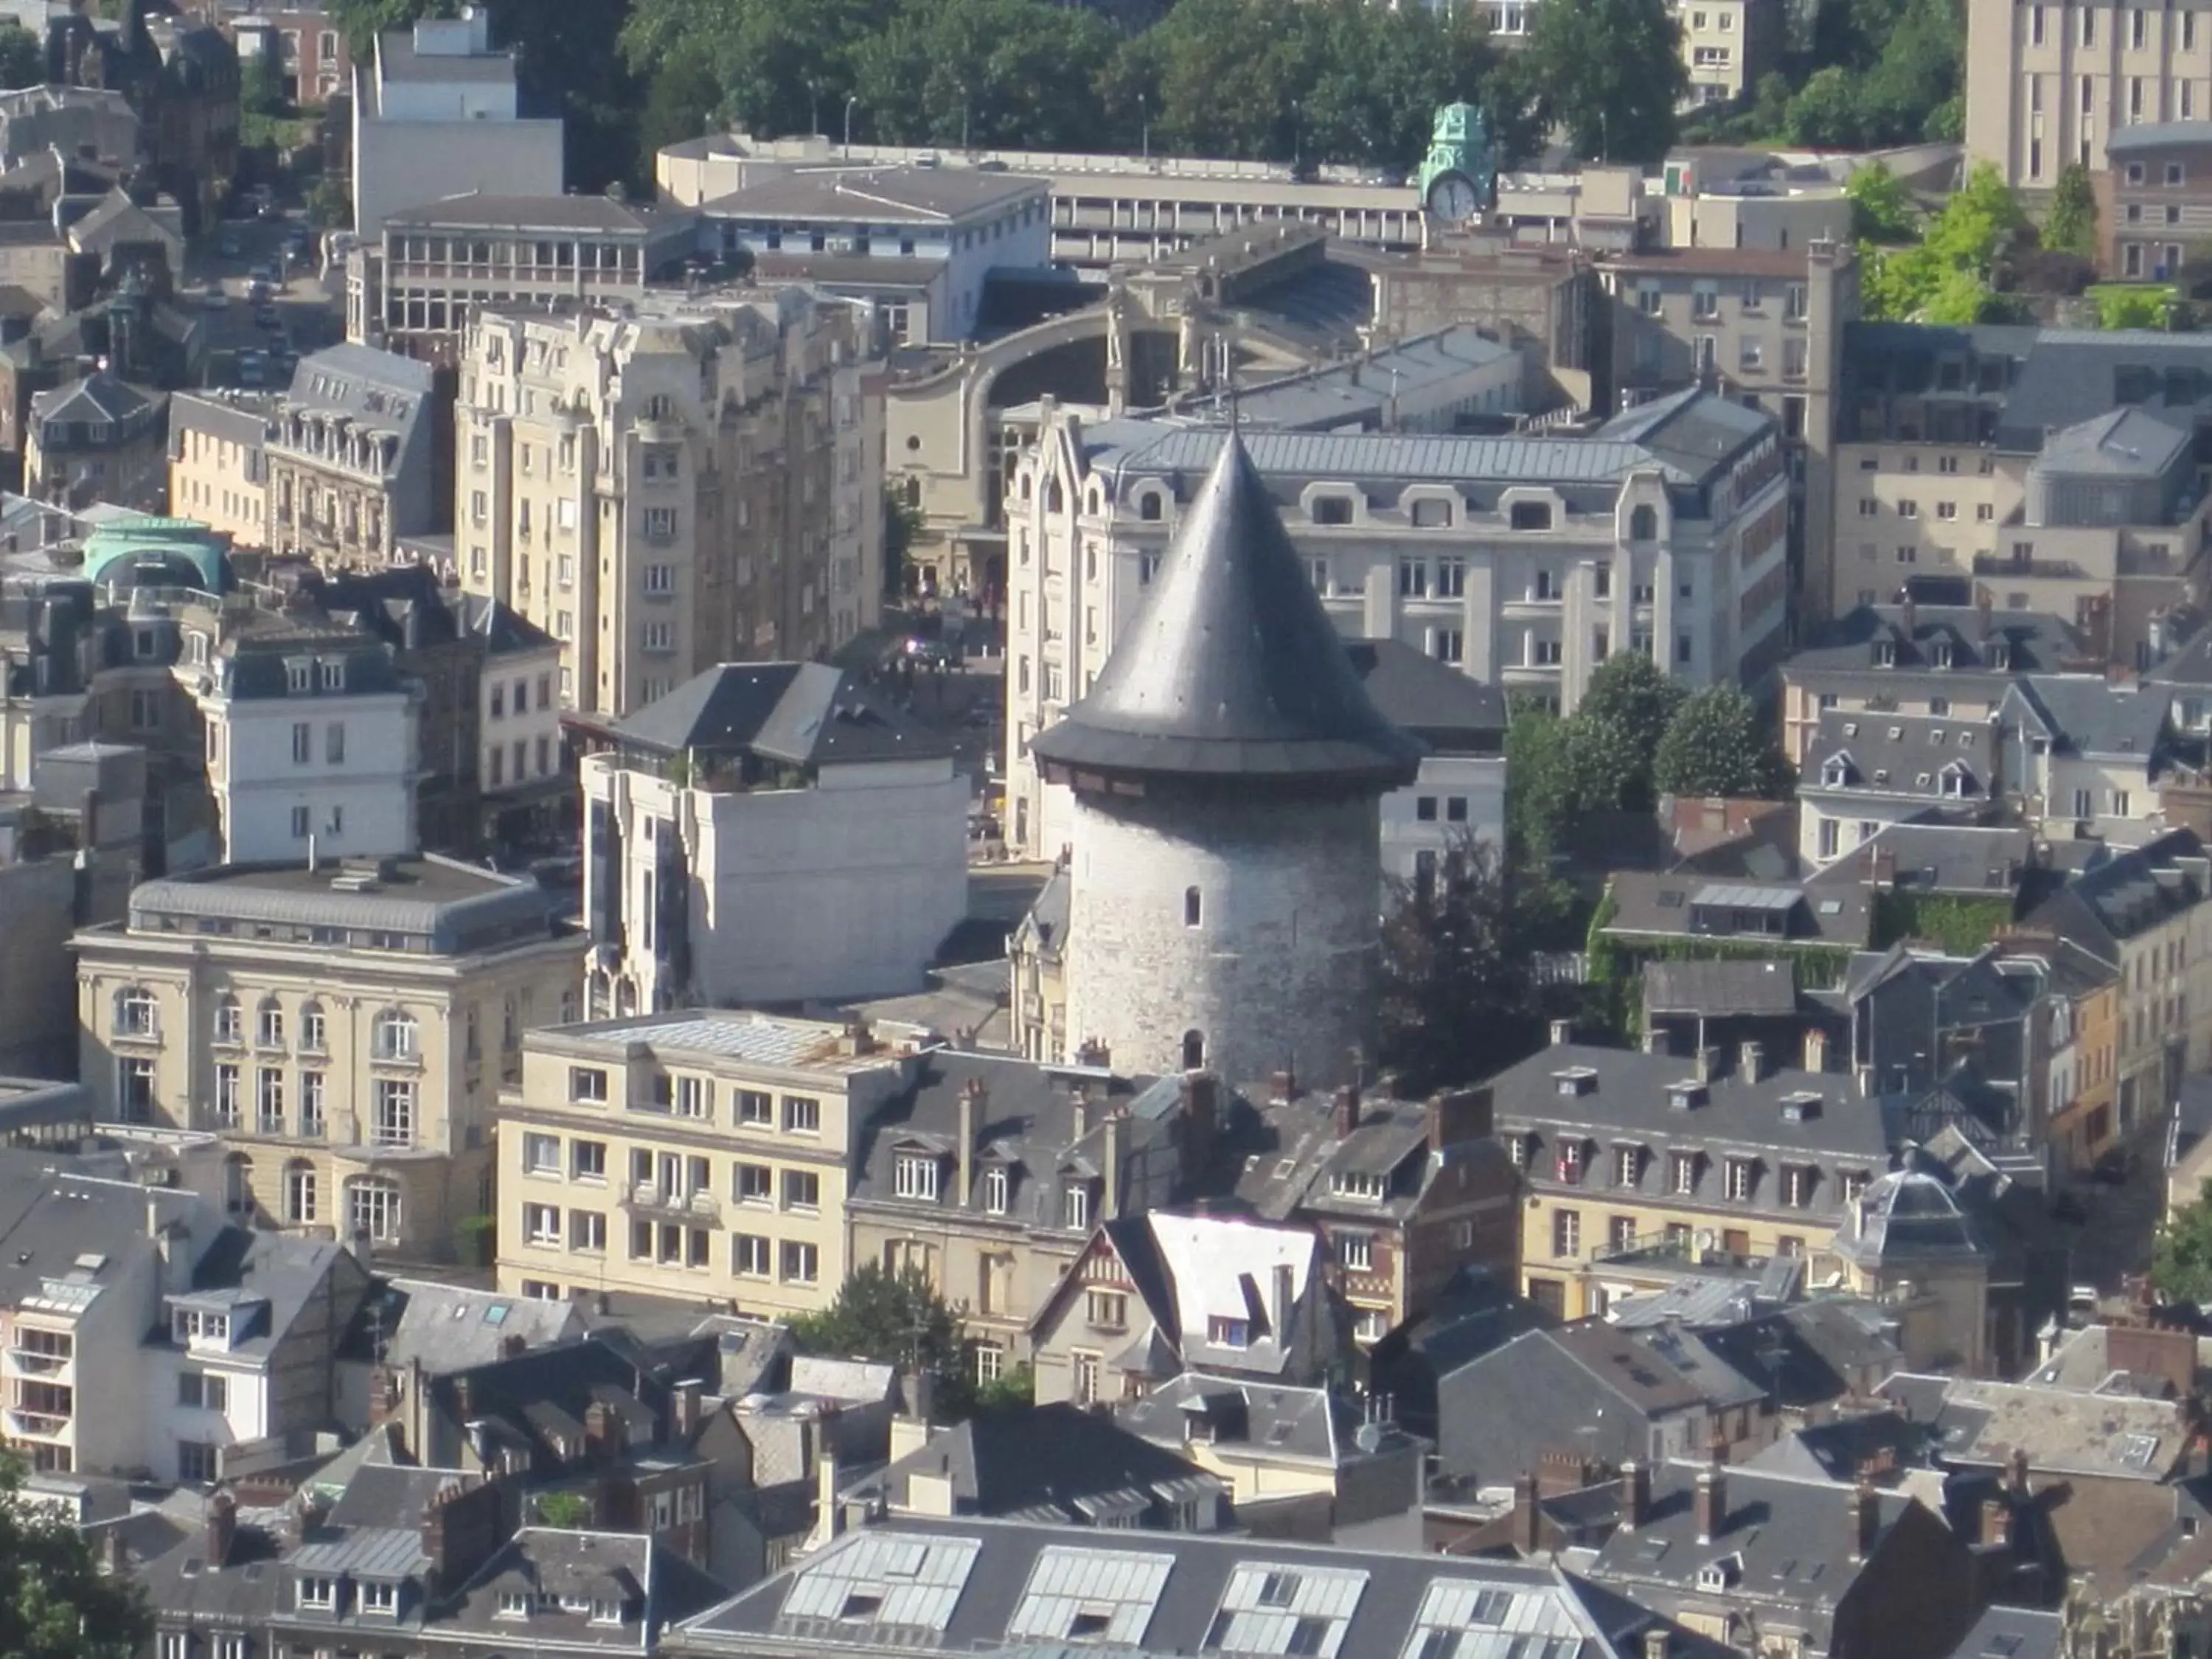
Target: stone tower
[{"x": 1225, "y": 770}]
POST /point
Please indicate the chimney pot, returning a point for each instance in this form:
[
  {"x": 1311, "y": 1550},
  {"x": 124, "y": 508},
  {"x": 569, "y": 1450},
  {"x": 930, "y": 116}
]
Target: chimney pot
[
  {"x": 1750, "y": 1058},
  {"x": 1816, "y": 1049}
]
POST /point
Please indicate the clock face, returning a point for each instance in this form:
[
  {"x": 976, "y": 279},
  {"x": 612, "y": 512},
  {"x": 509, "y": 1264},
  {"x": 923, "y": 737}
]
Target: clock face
[{"x": 1452, "y": 197}]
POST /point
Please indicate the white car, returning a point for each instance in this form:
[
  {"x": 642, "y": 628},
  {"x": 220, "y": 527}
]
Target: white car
[{"x": 215, "y": 300}]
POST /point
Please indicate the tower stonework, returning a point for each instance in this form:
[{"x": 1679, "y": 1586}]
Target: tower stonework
[{"x": 1226, "y": 770}]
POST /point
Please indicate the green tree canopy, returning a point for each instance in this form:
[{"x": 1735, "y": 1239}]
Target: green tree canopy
[
  {"x": 1947, "y": 276},
  {"x": 22, "y": 59},
  {"x": 1882, "y": 207},
  {"x": 895, "y": 1319},
  {"x": 1611, "y": 73},
  {"x": 1614, "y": 732},
  {"x": 2070, "y": 226},
  {"x": 261, "y": 86},
  {"x": 1715, "y": 745},
  {"x": 55, "y": 1603},
  {"x": 1459, "y": 998},
  {"x": 2181, "y": 1258},
  {"x": 1535, "y": 780},
  {"x": 2119, "y": 307}
]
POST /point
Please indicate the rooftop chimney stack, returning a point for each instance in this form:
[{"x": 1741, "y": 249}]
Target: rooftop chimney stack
[
  {"x": 1751, "y": 1061},
  {"x": 1347, "y": 1109},
  {"x": 221, "y": 1515},
  {"x": 1562, "y": 1033},
  {"x": 683, "y": 1410},
  {"x": 1816, "y": 1049},
  {"x": 1709, "y": 1062},
  {"x": 1711, "y": 1503},
  {"x": 1866, "y": 1520},
  {"x": 1281, "y": 1309},
  {"x": 1635, "y": 1495},
  {"x": 971, "y": 1125}
]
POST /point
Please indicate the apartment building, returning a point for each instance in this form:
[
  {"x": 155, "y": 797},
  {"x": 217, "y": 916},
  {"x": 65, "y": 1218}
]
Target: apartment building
[
  {"x": 304, "y": 37},
  {"x": 143, "y": 1331},
  {"x": 2050, "y": 86},
  {"x": 437, "y": 112},
  {"x": 1523, "y": 560},
  {"x": 413, "y": 291},
  {"x": 988, "y": 1174},
  {"x": 1954, "y": 662},
  {"x": 1623, "y": 1150},
  {"x": 2155, "y": 198},
  {"x": 1868, "y": 772},
  {"x": 2141, "y": 915},
  {"x": 673, "y": 483},
  {"x": 312, "y": 736},
  {"x": 1727, "y": 45},
  {"x": 704, "y": 1155},
  {"x": 786, "y": 794},
  {"x": 353, "y": 458},
  {"x": 218, "y": 462},
  {"x": 2056, "y": 467},
  {"x": 98, "y": 438},
  {"x": 2084, "y": 757},
  {"x": 344, "y": 1030},
  {"x": 1764, "y": 326}
]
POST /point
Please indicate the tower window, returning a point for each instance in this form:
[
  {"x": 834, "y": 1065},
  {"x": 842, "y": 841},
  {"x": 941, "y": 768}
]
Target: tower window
[
  {"x": 1193, "y": 1051},
  {"x": 1193, "y": 906}
]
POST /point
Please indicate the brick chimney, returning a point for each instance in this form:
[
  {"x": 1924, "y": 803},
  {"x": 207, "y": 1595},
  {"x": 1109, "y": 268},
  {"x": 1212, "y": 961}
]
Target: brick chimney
[
  {"x": 1347, "y": 1109},
  {"x": 1711, "y": 1502},
  {"x": 1657, "y": 1643},
  {"x": 684, "y": 1409},
  {"x": 1078, "y": 1113},
  {"x": 1110, "y": 1156},
  {"x": 1866, "y": 1520},
  {"x": 972, "y": 1098},
  {"x": 461, "y": 1527},
  {"x": 2016, "y": 1470},
  {"x": 1816, "y": 1049},
  {"x": 221, "y": 1516},
  {"x": 1283, "y": 1086},
  {"x": 600, "y": 1433},
  {"x": 1528, "y": 1515},
  {"x": 1454, "y": 1116},
  {"x": 1635, "y": 1495}
]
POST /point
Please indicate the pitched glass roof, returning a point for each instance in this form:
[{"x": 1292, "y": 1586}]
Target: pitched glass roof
[{"x": 1087, "y": 1594}]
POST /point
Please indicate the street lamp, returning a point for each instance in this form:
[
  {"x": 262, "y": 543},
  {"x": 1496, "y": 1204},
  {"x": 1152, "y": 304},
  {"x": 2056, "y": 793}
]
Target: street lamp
[
  {"x": 1144, "y": 123},
  {"x": 1298, "y": 132},
  {"x": 849, "y": 102}
]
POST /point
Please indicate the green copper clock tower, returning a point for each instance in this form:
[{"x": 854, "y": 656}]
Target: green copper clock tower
[{"x": 1459, "y": 176}]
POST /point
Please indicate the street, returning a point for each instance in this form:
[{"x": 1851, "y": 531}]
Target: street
[{"x": 304, "y": 311}]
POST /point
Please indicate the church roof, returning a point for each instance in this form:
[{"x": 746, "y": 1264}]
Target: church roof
[{"x": 1233, "y": 669}]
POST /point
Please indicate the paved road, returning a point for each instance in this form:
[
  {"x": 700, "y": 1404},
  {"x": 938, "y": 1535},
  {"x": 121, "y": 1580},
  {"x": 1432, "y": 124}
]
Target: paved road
[{"x": 310, "y": 308}]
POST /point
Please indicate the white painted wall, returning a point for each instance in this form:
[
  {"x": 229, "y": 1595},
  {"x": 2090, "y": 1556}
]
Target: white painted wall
[
  {"x": 363, "y": 806},
  {"x": 407, "y": 164},
  {"x": 1477, "y": 780},
  {"x": 842, "y": 890}
]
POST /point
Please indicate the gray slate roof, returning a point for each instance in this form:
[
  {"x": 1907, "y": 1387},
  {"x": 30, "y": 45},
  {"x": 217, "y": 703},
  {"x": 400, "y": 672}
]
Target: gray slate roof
[
  {"x": 1450, "y": 712},
  {"x": 1231, "y": 669},
  {"x": 2120, "y": 894},
  {"x": 1851, "y": 644},
  {"x": 1720, "y": 988},
  {"x": 2155, "y": 135},
  {"x": 961, "y": 1586},
  {"x": 1054, "y": 1463},
  {"x": 2121, "y": 443},
  {"x": 2020, "y": 1632},
  {"x": 1933, "y": 758},
  {"x": 920, "y": 196},
  {"x": 1954, "y": 858},
  {"x": 2091, "y": 717},
  {"x": 799, "y": 714},
  {"x": 458, "y": 907}
]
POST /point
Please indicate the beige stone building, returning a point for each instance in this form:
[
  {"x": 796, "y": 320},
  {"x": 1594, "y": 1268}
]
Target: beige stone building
[
  {"x": 2155, "y": 199},
  {"x": 704, "y": 1155},
  {"x": 352, "y": 457},
  {"x": 1727, "y": 45},
  {"x": 344, "y": 1030},
  {"x": 218, "y": 462},
  {"x": 2048, "y": 84},
  {"x": 98, "y": 438},
  {"x": 674, "y": 484},
  {"x": 990, "y": 1175}
]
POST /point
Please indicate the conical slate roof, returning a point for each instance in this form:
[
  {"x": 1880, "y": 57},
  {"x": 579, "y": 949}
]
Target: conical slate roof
[{"x": 1233, "y": 669}]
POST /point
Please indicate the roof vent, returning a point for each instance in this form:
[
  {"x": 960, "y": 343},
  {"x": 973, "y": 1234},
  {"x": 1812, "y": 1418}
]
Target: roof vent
[
  {"x": 1575, "y": 1080},
  {"x": 1681, "y": 1096},
  {"x": 1801, "y": 1108}
]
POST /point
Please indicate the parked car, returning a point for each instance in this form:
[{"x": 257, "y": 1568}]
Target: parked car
[{"x": 215, "y": 300}]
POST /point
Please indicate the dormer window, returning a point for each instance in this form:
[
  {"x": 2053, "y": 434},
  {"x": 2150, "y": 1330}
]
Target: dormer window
[
  {"x": 1835, "y": 774},
  {"x": 1885, "y": 653},
  {"x": 319, "y": 1592},
  {"x": 1999, "y": 653},
  {"x": 189, "y": 1325},
  {"x": 379, "y": 1598},
  {"x": 1940, "y": 655},
  {"x": 1075, "y": 1205},
  {"x": 915, "y": 1176},
  {"x": 996, "y": 1182},
  {"x": 1956, "y": 779},
  {"x": 606, "y": 1613},
  {"x": 514, "y": 1604},
  {"x": 1628, "y": 1165},
  {"x": 1357, "y": 1183},
  {"x": 1574, "y": 1080},
  {"x": 1225, "y": 1332}
]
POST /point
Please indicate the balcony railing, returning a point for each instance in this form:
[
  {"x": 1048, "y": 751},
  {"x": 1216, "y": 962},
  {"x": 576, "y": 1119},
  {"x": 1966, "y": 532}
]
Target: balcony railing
[
  {"x": 650, "y": 1197},
  {"x": 33, "y": 1362},
  {"x": 40, "y": 1426}
]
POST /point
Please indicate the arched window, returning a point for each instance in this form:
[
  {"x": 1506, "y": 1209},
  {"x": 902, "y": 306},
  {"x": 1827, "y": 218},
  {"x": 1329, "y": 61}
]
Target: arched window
[
  {"x": 1643, "y": 524},
  {"x": 1149, "y": 508},
  {"x": 269, "y": 1023},
  {"x": 302, "y": 1195},
  {"x": 314, "y": 1036},
  {"x": 914, "y": 492},
  {"x": 372, "y": 1209},
  {"x": 229, "y": 1021},
  {"x": 1193, "y": 1051},
  {"x": 136, "y": 1012},
  {"x": 398, "y": 1036},
  {"x": 238, "y": 1184},
  {"x": 1055, "y": 499},
  {"x": 1193, "y": 907}
]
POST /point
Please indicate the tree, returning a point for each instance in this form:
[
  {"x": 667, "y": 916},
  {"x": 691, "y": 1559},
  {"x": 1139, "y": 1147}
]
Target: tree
[
  {"x": 1825, "y": 113},
  {"x": 261, "y": 89},
  {"x": 1717, "y": 746},
  {"x": 2070, "y": 226},
  {"x": 2121, "y": 308},
  {"x": 1459, "y": 1000},
  {"x": 896, "y": 1319},
  {"x": 1947, "y": 277},
  {"x": 2181, "y": 1258},
  {"x": 1535, "y": 780},
  {"x": 55, "y": 1603},
  {"x": 1611, "y": 73},
  {"x": 1613, "y": 734},
  {"x": 22, "y": 59},
  {"x": 1882, "y": 207},
  {"x": 680, "y": 102}
]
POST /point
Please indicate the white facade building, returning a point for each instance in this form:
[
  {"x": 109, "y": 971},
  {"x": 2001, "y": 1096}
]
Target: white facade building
[
  {"x": 1522, "y": 562},
  {"x": 435, "y": 115},
  {"x": 312, "y": 737},
  {"x": 769, "y": 832}
]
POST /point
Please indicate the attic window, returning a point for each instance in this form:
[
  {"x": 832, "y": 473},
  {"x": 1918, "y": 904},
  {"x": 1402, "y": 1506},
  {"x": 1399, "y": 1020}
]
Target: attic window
[
  {"x": 861, "y": 1605},
  {"x": 1357, "y": 1183},
  {"x": 1943, "y": 654},
  {"x": 915, "y": 1176},
  {"x": 1833, "y": 775},
  {"x": 1574, "y": 1080},
  {"x": 2000, "y": 654},
  {"x": 1896, "y": 734},
  {"x": 1885, "y": 653},
  {"x": 1850, "y": 728},
  {"x": 1225, "y": 1333},
  {"x": 514, "y": 1604},
  {"x": 1088, "y": 1624},
  {"x": 1681, "y": 1096}
]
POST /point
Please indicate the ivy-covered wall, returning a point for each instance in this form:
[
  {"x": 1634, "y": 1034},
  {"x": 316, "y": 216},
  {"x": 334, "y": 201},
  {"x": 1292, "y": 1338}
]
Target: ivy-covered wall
[{"x": 1613, "y": 987}]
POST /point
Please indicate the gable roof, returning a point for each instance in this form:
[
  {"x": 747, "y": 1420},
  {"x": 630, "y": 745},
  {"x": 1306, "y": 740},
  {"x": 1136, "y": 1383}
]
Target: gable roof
[
  {"x": 2090, "y": 716},
  {"x": 1231, "y": 668}
]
